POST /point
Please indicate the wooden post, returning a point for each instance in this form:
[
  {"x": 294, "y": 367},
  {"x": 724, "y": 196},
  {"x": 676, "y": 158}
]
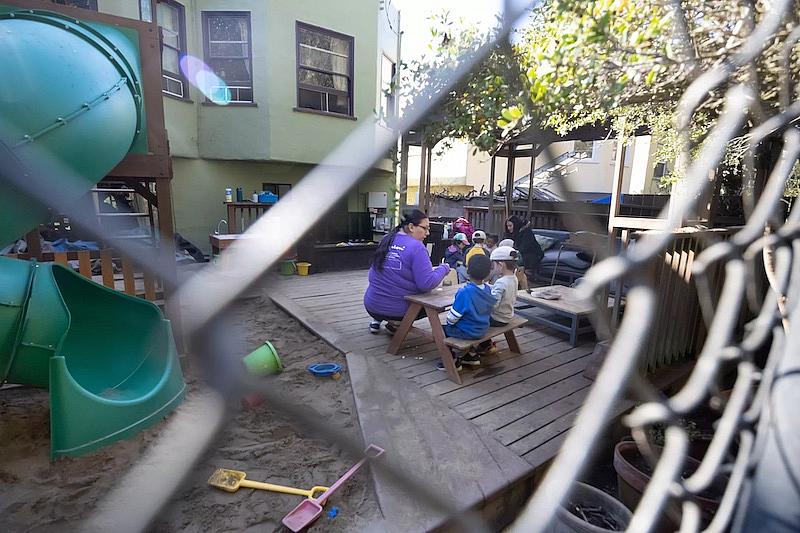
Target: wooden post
[
  {"x": 613, "y": 213},
  {"x": 403, "y": 176},
  {"x": 429, "y": 162},
  {"x": 34, "y": 243},
  {"x": 421, "y": 188},
  {"x": 490, "y": 211},
  {"x": 510, "y": 180},
  {"x": 166, "y": 250},
  {"x": 530, "y": 183}
]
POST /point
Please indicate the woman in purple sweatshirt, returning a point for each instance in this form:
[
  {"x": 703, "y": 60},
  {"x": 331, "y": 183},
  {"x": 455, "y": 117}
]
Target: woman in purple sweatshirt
[{"x": 401, "y": 267}]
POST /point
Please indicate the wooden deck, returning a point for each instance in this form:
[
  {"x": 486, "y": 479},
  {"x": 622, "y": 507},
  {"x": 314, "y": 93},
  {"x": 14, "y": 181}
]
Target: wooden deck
[{"x": 526, "y": 401}]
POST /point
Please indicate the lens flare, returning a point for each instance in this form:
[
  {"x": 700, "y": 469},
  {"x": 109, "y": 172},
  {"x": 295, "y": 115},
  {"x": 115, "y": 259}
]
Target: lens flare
[{"x": 201, "y": 76}]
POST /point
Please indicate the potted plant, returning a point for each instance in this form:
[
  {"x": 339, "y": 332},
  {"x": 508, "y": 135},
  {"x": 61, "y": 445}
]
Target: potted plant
[{"x": 590, "y": 510}]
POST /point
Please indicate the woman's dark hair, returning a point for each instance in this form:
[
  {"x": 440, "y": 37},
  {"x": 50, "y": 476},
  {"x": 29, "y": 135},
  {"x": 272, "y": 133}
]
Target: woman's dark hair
[
  {"x": 414, "y": 216},
  {"x": 518, "y": 223}
]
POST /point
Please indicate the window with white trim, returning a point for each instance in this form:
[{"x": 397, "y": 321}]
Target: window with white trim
[
  {"x": 172, "y": 22},
  {"x": 228, "y": 52},
  {"x": 388, "y": 69},
  {"x": 324, "y": 70},
  {"x": 587, "y": 151}
]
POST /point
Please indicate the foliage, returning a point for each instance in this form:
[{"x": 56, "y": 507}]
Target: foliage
[{"x": 582, "y": 61}]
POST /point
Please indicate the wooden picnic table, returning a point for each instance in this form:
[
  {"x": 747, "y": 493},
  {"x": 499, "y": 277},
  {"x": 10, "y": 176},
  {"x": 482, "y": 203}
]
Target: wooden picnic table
[
  {"x": 568, "y": 305},
  {"x": 433, "y": 303}
]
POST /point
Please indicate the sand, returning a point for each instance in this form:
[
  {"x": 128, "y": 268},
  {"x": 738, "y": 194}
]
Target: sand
[{"x": 37, "y": 495}]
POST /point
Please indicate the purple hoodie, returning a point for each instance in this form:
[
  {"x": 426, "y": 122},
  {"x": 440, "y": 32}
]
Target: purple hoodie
[{"x": 406, "y": 270}]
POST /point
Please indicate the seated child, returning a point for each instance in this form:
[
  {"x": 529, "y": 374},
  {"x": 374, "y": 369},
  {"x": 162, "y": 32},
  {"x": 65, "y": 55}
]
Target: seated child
[
  {"x": 478, "y": 246},
  {"x": 491, "y": 243},
  {"x": 504, "y": 261},
  {"x": 469, "y": 316},
  {"x": 522, "y": 279},
  {"x": 454, "y": 256}
]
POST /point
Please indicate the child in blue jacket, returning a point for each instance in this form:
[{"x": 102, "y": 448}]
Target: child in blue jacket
[{"x": 472, "y": 307}]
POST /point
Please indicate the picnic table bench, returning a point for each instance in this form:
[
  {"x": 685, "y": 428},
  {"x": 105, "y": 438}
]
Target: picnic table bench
[{"x": 433, "y": 303}]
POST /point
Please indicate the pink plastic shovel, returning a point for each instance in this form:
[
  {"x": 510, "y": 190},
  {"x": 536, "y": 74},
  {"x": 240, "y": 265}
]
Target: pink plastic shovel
[{"x": 309, "y": 510}]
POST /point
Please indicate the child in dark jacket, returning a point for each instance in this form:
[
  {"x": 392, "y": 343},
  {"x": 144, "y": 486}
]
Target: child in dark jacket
[
  {"x": 468, "y": 318},
  {"x": 454, "y": 256}
]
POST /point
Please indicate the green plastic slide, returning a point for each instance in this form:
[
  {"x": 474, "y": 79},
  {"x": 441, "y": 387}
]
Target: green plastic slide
[{"x": 71, "y": 109}]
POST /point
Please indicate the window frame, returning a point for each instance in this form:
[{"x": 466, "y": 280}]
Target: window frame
[
  {"x": 182, "y": 51},
  {"x": 387, "y": 114},
  {"x": 350, "y": 71},
  {"x": 205, "y": 16},
  {"x": 595, "y": 157}
]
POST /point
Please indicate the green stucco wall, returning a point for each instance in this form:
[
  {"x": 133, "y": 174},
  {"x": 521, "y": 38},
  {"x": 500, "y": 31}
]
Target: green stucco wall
[{"x": 198, "y": 190}]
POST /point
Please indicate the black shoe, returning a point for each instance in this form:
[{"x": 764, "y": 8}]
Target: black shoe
[
  {"x": 375, "y": 327},
  {"x": 391, "y": 327},
  {"x": 471, "y": 359},
  {"x": 440, "y": 365}
]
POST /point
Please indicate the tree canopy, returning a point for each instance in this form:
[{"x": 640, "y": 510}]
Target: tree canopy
[{"x": 578, "y": 62}]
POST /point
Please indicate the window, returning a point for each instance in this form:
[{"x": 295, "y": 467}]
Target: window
[
  {"x": 228, "y": 52},
  {"x": 660, "y": 170},
  {"x": 85, "y": 4},
  {"x": 388, "y": 70},
  {"x": 172, "y": 21},
  {"x": 324, "y": 70},
  {"x": 276, "y": 188},
  {"x": 587, "y": 151}
]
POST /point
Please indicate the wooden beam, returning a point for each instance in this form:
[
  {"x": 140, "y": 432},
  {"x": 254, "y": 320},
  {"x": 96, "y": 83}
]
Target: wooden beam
[
  {"x": 422, "y": 166},
  {"x": 403, "y": 175},
  {"x": 491, "y": 191},
  {"x": 428, "y": 178},
  {"x": 510, "y": 181},
  {"x": 34, "y": 243},
  {"x": 530, "y": 185}
]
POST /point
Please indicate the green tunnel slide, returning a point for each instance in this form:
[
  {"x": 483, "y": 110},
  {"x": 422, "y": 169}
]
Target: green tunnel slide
[{"x": 71, "y": 109}]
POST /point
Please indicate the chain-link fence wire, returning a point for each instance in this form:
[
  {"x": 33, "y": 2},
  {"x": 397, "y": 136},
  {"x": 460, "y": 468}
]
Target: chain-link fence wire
[{"x": 207, "y": 295}]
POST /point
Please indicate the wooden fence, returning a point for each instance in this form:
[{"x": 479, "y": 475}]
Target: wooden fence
[
  {"x": 132, "y": 280},
  {"x": 679, "y": 327}
]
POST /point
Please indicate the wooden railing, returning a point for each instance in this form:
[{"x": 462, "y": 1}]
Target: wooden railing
[
  {"x": 545, "y": 215},
  {"x": 242, "y": 214},
  {"x": 679, "y": 327},
  {"x": 132, "y": 280}
]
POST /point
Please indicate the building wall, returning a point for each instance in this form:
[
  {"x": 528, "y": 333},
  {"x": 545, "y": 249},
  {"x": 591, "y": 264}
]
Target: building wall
[
  {"x": 460, "y": 168},
  {"x": 245, "y": 145}
]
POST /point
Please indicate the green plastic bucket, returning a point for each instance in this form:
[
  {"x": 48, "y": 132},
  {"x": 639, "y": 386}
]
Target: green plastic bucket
[
  {"x": 263, "y": 361},
  {"x": 288, "y": 267}
]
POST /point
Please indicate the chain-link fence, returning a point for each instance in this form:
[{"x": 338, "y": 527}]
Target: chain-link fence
[{"x": 757, "y": 414}]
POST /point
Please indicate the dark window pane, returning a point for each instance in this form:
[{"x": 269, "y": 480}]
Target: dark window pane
[
  {"x": 228, "y": 28},
  {"x": 243, "y": 95},
  {"x": 312, "y": 100},
  {"x": 323, "y": 60},
  {"x": 228, "y": 50},
  {"x": 328, "y": 81},
  {"x": 170, "y": 60},
  {"x": 326, "y": 42},
  {"x": 233, "y": 71},
  {"x": 85, "y": 4},
  {"x": 338, "y": 104}
]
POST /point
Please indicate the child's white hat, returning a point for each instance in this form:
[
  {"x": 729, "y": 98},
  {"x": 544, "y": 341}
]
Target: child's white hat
[
  {"x": 506, "y": 242},
  {"x": 479, "y": 235},
  {"x": 504, "y": 253}
]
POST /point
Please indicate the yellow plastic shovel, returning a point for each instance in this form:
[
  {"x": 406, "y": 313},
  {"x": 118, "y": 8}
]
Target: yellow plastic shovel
[{"x": 233, "y": 480}]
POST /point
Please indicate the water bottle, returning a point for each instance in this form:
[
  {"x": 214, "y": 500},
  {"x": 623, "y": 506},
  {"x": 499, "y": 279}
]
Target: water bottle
[
  {"x": 228, "y": 195},
  {"x": 239, "y": 194},
  {"x": 254, "y": 198}
]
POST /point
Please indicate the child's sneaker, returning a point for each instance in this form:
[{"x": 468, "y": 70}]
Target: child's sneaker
[
  {"x": 391, "y": 327},
  {"x": 440, "y": 365},
  {"x": 491, "y": 350},
  {"x": 471, "y": 359},
  {"x": 375, "y": 327}
]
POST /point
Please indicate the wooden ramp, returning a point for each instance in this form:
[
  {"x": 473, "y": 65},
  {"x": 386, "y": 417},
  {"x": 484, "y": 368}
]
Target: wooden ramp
[{"x": 484, "y": 440}]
